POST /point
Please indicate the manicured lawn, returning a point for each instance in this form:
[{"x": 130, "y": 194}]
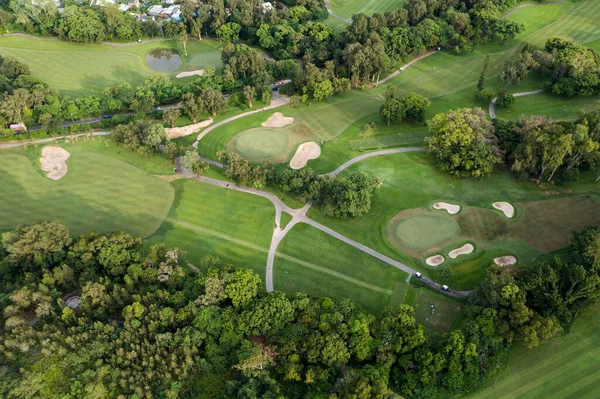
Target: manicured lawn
[
  {"x": 99, "y": 191},
  {"x": 79, "y": 69},
  {"x": 311, "y": 261},
  {"x": 347, "y": 8},
  {"x": 563, "y": 367},
  {"x": 412, "y": 181},
  {"x": 548, "y": 105},
  {"x": 210, "y": 220}
]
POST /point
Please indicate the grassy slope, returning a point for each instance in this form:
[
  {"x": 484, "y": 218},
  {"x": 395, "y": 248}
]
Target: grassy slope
[
  {"x": 564, "y": 367},
  {"x": 346, "y": 8},
  {"x": 80, "y": 69},
  {"x": 209, "y": 220},
  {"x": 99, "y": 191}
]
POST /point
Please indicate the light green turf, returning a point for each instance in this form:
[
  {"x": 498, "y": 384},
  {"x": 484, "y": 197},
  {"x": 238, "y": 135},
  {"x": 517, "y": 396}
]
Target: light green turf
[
  {"x": 563, "y": 367},
  {"x": 210, "y": 220},
  {"x": 347, "y": 8},
  {"x": 98, "y": 192},
  {"x": 78, "y": 69},
  {"x": 311, "y": 261},
  {"x": 548, "y": 105},
  {"x": 260, "y": 144},
  {"x": 424, "y": 231}
]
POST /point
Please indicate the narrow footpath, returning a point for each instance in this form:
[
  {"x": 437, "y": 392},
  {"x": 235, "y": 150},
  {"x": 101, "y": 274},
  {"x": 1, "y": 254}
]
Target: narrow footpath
[{"x": 492, "y": 108}]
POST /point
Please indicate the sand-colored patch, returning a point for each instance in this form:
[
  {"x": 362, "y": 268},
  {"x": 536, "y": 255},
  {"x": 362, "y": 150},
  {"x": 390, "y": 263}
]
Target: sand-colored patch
[
  {"x": 451, "y": 209},
  {"x": 176, "y": 132},
  {"x": 170, "y": 178},
  {"x": 435, "y": 260},
  {"x": 304, "y": 153},
  {"x": 278, "y": 120},
  {"x": 505, "y": 260},
  {"x": 505, "y": 207},
  {"x": 54, "y": 161},
  {"x": 198, "y": 72},
  {"x": 464, "y": 250}
]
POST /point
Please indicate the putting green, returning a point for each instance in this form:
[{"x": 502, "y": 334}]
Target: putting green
[
  {"x": 260, "y": 144},
  {"x": 424, "y": 231}
]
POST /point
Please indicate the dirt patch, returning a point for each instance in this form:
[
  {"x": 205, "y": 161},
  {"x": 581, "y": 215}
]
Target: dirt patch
[
  {"x": 435, "y": 260},
  {"x": 505, "y": 260},
  {"x": 54, "y": 161},
  {"x": 464, "y": 250},
  {"x": 304, "y": 153},
  {"x": 506, "y": 208},
  {"x": 451, "y": 209},
  {"x": 278, "y": 120},
  {"x": 170, "y": 178},
  {"x": 176, "y": 132},
  {"x": 198, "y": 72}
]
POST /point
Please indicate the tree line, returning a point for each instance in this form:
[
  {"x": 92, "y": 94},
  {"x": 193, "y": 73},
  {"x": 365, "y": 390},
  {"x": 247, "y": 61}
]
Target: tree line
[
  {"x": 467, "y": 144},
  {"x": 148, "y": 327}
]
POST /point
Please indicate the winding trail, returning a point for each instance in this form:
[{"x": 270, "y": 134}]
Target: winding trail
[
  {"x": 517, "y": 8},
  {"x": 398, "y": 71},
  {"x": 370, "y": 155},
  {"x": 330, "y": 11},
  {"x": 277, "y": 101},
  {"x": 492, "y": 108}
]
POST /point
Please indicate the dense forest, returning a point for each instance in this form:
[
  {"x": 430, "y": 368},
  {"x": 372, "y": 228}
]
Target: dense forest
[{"x": 100, "y": 315}]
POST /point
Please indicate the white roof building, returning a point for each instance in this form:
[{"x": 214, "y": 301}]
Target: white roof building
[
  {"x": 155, "y": 10},
  {"x": 266, "y": 7}
]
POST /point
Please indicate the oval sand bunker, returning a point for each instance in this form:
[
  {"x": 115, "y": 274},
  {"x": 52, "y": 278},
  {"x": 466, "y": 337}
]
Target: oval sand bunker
[
  {"x": 54, "y": 161},
  {"x": 451, "y": 209},
  {"x": 464, "y": 250},
  {"x": 435, "y": 260},
  {"x": 505, "y": 260},
  {"x": 304, "y": 153},
  {"x": 505, "y": 207},
  {"x": 278, "y": 120}
]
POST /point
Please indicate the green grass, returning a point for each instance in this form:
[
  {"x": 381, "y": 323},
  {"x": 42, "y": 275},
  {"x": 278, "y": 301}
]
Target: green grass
[
  {"x": 563, "y": 367},
  {"x": 347, "y": 8},
  {"x": 210, "y": 220},
  {"x": 79, "y": 69},
  {"x": 260, "y": 144},
  {"x": 424, "y": 231},
  {"x": 548, "y": 105},
  {"x": 99, "y": 192},
  {"x": 396, "y": 140},
  {"x": 412, "y": 181},
  {"x": 311, "y": 261}
]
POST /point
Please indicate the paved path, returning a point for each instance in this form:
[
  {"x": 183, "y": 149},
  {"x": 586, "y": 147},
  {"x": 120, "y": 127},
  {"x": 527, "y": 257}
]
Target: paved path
[
  {"x": 492, "y": 108},
  {"x": 398, "y": 72},
  {"x": 346, "y": 20},
  {"x": 277, "y": 101},
  {"x": 370, "y": 155},
  {"x": 509, "y": 12},
  {"x": 49, "y": 140}
]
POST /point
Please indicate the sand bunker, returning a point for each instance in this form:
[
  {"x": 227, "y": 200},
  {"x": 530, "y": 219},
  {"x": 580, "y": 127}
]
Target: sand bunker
[
  {"x": 452, "y": 209},
  {"x": 505, "y": 207},
  {"x": 435, "y": 260},
  {"x": 278, "y": 120},
  {"x": 54, "y": 161},
  {"x": 198, "y": 72},
  {"x": 176, "y": 132},
  {"x": 304, "y": 153},
  {"x": 464, "y": 250},
  {"x": 505, "y": 260}
]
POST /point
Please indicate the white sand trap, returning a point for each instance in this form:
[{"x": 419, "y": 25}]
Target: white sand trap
[
  {"x": 452, "y": 209},
  {"x": 505, "y": 260},
  {"x": 435, "y": 260},
  {"x": 176, "y": 132},
  {"x": 54, "y": 161},
  {"x": 464, "y": 250},
  {"x": 505, "y": 207},
  {"x": 198, "y": 72},
  {"x": 278, "y": 120},
  {"x": 304, "y": 153}
]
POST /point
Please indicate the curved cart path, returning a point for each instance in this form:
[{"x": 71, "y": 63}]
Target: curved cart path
[
  {"x": 50, "y": 139},
  {"x": 370, "y": 155},
  {"x": 492, "y": 109},
  {"x": 277, "y": 101},
  {"x": 346, "y": 20},
  {"x": 398, "y": 72}
]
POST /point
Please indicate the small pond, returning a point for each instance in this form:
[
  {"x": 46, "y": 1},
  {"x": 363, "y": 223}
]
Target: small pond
[{"x": 163, "y": 60}]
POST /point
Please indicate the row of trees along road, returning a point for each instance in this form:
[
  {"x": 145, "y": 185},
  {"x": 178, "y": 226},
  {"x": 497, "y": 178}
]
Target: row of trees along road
[{"x": 148, "y": 328}]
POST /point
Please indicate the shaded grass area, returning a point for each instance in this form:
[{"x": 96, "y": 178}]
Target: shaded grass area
[
  {"x": 311, "y": 261},
  {"x": 210, "y": 220},
  {"x": 99, "y": 192},
  {"x": 79, "y": 69},
  {"x": 563, "y": 367}
]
